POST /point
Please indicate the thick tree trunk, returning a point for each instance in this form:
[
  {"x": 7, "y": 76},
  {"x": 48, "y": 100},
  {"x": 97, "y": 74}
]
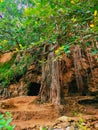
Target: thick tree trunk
[
  {"x": 50, "y": 86},
  {"x": 77, "y": 56},
  {"x": 55, "y": 83}
]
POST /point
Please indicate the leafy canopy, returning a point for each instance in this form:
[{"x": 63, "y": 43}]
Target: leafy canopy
[
  {"x": 23, "y": 23},
  {"x": 28, "y": 25}
]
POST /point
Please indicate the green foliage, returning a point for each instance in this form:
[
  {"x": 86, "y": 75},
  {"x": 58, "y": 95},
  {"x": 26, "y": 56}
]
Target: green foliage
[
  {"x": 94, "y": 52},
  {"x": 81, "y": 124},
  {"x": 27, "y": 25},
  {"x": 30, "y": 23},
  {"x": 5, "y": 120},
  {"x": 63, "y": 22},
  {"x": 5, "y": 70},
  {"x": 44, "y": 128},
  {"x": 75, "y": 113},
  {"x": 12, "y": 71}
]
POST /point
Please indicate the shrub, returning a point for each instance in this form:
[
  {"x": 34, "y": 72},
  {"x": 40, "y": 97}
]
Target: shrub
[{"x": 5, "y": 121}]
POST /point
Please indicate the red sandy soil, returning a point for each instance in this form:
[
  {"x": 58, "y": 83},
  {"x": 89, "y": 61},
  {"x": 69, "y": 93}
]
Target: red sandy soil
[{"x": 28, "y": 113}]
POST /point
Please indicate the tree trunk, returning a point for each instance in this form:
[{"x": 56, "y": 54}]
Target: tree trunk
[
  {"x": 55, "y": 84},
  {"x": 77, "y": 56},
  {"x": 50, "y": 85}
]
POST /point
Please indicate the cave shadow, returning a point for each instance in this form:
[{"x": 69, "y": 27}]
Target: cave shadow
[
  {"x": 33, "y": 89},
  {"x": 73, "y": 88}
]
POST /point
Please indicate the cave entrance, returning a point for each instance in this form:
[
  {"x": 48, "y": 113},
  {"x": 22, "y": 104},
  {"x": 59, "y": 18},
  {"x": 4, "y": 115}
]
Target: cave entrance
[
  {"x": 33, "y": 89},
  {"x": 72, "y": 89}
]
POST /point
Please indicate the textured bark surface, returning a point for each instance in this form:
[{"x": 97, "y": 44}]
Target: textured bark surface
[
  {"x": 55, "y": 83},
  {"x": 50, "y": 85},
  {"x": 77, "y": 57}
]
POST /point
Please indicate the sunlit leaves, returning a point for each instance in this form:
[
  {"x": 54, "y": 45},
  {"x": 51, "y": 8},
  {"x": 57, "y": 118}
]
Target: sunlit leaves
[
  {"x": 59, "y": 50},
  {"x": 31, "y": 11},
  {"x": 1, "y": 0},
  {"x": 92, "y": 25},
  {"x": 95, "y": 13},
  {"x": 74, "y": 1},
  {"x": 47, "y": 21},
  {"x": 74, "y": 19},
  {"x": 62, "y": 49}
]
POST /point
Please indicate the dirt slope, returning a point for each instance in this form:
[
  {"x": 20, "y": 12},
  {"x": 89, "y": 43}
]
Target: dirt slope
[{"x": 28, "y": 114}]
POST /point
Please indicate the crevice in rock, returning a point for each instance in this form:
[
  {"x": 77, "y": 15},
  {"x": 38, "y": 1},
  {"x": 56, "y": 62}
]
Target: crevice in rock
[{"x": 88, "y": 101}]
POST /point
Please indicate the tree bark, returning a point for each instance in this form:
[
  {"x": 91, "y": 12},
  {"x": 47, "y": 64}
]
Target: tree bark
[
  {"x": 50, "y": 85},
  {"x": 55, "y": 84}
]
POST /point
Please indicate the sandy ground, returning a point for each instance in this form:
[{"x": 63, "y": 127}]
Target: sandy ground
[{"x": 28, "y": 113}]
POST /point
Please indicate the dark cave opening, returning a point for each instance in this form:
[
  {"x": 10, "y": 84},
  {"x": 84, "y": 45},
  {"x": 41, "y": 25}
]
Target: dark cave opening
[
  {"x": 33, "y": 89},
  {"x": 72, "y": 89},
  {"x": 88, "y": 101}
]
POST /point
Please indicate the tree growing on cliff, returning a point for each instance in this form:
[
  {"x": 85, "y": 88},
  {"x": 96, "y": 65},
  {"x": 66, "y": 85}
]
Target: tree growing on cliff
[{"x": 51, "y": 27}]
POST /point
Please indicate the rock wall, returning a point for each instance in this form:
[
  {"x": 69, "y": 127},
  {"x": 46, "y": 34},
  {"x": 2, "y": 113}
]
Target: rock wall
[
  {"x": 6, "y": 57},
  {"x": 68, "y": 78},
  {"x": 20, "y": 88}
]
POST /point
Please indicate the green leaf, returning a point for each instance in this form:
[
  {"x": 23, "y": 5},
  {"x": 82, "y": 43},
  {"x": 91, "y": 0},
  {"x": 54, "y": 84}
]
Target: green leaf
[
  {"x": 1, "y": 116},
  {"x": 8, "y": 121}
]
